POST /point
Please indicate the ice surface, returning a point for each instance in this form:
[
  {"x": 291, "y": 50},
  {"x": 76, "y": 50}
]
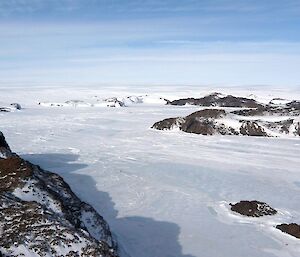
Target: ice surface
[{"x": 163, "y": 193}]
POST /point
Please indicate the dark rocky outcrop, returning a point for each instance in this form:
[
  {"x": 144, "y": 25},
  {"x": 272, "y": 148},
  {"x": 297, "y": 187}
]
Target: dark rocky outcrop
[
  {"x": 199, "y": 126},
  {"x": 253, "y": 208},
  {"x": 250, "y": 112},
  {"x": 3, "y": 143},
  {"x": 207, "y": 113},
  {"x": 200, "y": 122},
  {"x": 5, "y": 151},
  {"x": 283, "y": 126},
  {"x": 292, "y": 229},
  {"x": 205, "y": 122},
  {"x": 289, "y": 109},
  {"x": 215, "y": 99},
  {"x": 40, "y": 214},
  {"x": 168, "y": 123},
  {"x": 295, "y": 105},
  {"x": 13, "y": 171},
  {"x": 252, "y": 128}
]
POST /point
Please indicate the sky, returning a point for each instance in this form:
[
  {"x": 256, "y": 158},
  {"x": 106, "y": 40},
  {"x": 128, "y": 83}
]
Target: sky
[{"x": 192, "y": 42}]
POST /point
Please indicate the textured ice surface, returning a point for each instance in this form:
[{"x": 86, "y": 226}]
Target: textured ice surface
[{"x": 163, "y": 193}]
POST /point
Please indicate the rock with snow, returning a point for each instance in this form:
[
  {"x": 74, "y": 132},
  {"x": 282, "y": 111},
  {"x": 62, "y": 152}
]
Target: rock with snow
[
  {"x": 252, "y": 128},
  {"x": 17, "y": 106},
  {"x": 279, "y": 101},
  {"x": 5, "y": 151},
  {"x": 219, "y": 121},
  {"x": 292, "y": 229},
  {"x": 10, "y": 107},
  {"x": 253, "y": 208},
  {"x": 287, "y": 109},
  {"x": 217, "y": 99},
  {"x": 169, "y": 124},
  {"x": 40, "y": 215},
  {"x": 114, "y": 102}
]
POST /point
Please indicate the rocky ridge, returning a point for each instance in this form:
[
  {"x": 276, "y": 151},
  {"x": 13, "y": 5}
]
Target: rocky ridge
[
  {"x": 217, "y": 99},
  {"x": 238, "y": 116},
  {"x": 216, "y": 121},
  {"x": 41, "y": 216}
]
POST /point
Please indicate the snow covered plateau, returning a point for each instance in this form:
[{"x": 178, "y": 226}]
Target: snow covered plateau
[{"x": 163, "y": 193}]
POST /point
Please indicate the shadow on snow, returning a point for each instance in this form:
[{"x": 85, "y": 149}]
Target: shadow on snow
[{"x": 136, "y": 236}]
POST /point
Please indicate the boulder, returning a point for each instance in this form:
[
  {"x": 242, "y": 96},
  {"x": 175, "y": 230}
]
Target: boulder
[{"x": 253, "y": 208}]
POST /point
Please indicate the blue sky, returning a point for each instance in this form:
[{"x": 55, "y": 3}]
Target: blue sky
[{"x": 150, "y": 42}]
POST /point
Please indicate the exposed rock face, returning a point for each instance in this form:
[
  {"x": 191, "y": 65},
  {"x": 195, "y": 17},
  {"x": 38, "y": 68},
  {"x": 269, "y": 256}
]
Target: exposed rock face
[
  {"x": 251, "y": 112},
  {"x": 170, "y": 123},
  {"x": 114, "y": 102},
  {"x": 253, "y": 208},
  {"x": 219, "y": 121},
  {"x": 288, "y": 109},
  {"x": 283, "y": 126},
  {"x": 199, "y": 126},
  {"x": 205, "y": 122},
  {"x": 277, "y": 106},
  {"x": 208, "y": 113},
  {"x": 216, "y": 99},
  {"x": 297, "y": 127},
  {"x": 292, "y": 229},
  {"x": 251, "y": 128},
  {"x": 3, "y": 142},
  {"x": 13, "y": 171},
  {"x": 4, "y": 148},
  {"x": 39, "y": 214},
  {"x": 295, "y": 105},
  {"x": 200, "y": 122}
]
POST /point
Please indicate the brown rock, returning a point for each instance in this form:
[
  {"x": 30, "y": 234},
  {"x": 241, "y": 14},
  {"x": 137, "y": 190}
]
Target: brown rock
[
  {"x": 198, "y": 126},
  {"x": 208, "y": 113},
  {"x": 251, "y": 128},
  {"x": 168, "y": 123},
  {"x": 12, "y": 171},
  {"x": 253, "y": 208},
  {"x": 214, "y": 99},
  {"x": 292, "y": 229}
]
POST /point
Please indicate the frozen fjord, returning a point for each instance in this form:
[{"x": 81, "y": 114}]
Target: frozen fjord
[{"x": 163, "y": 193}]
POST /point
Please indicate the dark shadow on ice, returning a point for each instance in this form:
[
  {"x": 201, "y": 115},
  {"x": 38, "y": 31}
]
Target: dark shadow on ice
[{"x": 139, "y": 236}]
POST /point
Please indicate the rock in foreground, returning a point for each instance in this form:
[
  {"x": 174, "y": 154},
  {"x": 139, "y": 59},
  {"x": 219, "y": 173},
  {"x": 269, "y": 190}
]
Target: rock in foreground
[
  {"x": 292, "y": 229},
  {"x": 40, "y": 215},
  {"x": 253, "y": 208}
]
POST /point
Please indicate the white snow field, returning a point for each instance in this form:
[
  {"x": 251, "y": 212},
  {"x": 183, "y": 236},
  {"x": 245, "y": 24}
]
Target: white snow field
[{"x": 163, "y": 193}]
